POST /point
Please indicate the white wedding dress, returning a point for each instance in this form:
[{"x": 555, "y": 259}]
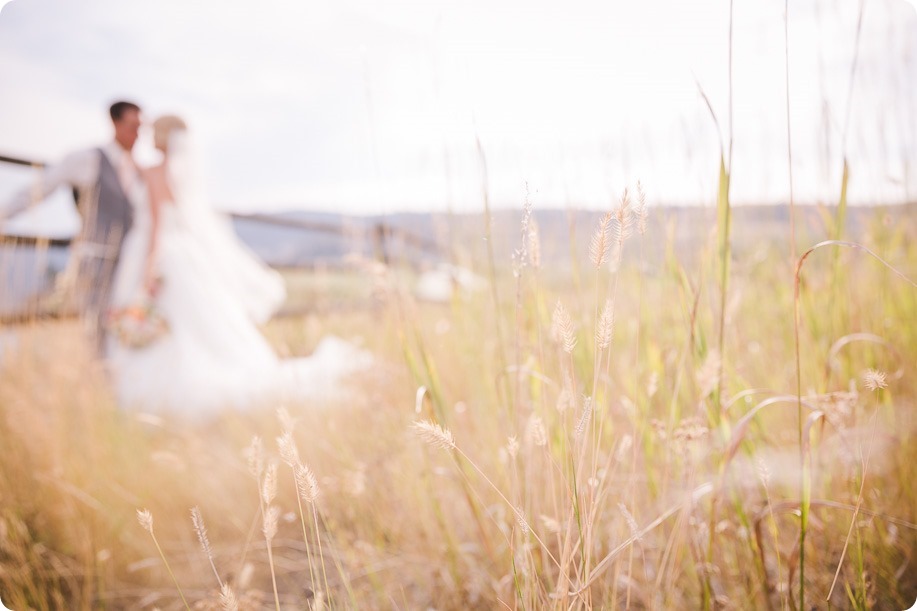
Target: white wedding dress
[{"x": 214, "y": 294}]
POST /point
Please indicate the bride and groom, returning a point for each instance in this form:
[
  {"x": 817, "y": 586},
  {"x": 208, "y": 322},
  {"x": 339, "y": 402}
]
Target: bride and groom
[{"x": 172, "y": 298}]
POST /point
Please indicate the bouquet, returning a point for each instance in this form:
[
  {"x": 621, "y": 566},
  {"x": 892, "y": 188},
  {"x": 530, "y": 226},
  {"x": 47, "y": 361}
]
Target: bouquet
[{"x": 138, "y": 325}]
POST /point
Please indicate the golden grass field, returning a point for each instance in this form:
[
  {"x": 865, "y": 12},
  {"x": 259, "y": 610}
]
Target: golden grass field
[{"x": 608, "y": 436}]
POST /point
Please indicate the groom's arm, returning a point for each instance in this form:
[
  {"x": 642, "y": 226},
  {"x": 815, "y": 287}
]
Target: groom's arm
[{"x": 80, "y": 169}]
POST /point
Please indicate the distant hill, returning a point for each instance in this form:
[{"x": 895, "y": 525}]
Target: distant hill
[
  {"x": 306, "y": 239},
  {"x": 752, "y": 226}
]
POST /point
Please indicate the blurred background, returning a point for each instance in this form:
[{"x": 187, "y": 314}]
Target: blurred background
[{"x": 337, "y": 115}]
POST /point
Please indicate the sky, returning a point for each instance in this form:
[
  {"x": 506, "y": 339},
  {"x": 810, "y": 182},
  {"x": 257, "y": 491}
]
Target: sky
[{"x": 375, "y": 107}]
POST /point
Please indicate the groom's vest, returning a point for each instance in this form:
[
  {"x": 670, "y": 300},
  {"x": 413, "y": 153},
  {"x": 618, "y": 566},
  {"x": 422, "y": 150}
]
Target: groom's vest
[{"x": 107, "y": 213}]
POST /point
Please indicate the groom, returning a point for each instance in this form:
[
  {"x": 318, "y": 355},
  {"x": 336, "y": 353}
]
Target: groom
[{"x": 107, "y": 184}]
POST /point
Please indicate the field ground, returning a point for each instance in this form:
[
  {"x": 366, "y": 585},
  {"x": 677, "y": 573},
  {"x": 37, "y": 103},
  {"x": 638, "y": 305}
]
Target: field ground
[{"x": 647, "y": 458}]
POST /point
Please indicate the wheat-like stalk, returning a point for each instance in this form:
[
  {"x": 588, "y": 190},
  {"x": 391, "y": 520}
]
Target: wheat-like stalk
[
  {"x": 269, "y": 522},
  {"x": 269, "y": 529},
  {"x": 200, "y": 530},
  {"x": 631, "y": 522},
  {"x": 534, "y": 247},
  {"x": 520, "y": 520},
  {"x": 535, "y": 431},
  {"x": 875, "y": 381},
  {"x": 146, "y": 521},
  {"x": 708, "y": 376},
  {"x": 640, "y": 212},
  {"x": 307, "y": 490},
  {"x": 566, "y": 398},
  {"x": 562, "y": 330},
  {"x": 584, "y": 418},
  {"x": 306, "y": 483},
  {"x": 598, "y": 247},
  {"x": 198, "y": 521},
  {"x": 512, "y": 446},
  {"x": 269, "y": 486},
  {"x": 520, "y": 255},
  {"x": 624, "y": 218},
  {"x": 434, "y": 434},
  {"x": 287, "y": 422},
  {"x": 254, "y": 455},
  {"x": 228, "y": 601},
  {"x": 289, "y": 453},
  {"x": 605, "y": 329}
]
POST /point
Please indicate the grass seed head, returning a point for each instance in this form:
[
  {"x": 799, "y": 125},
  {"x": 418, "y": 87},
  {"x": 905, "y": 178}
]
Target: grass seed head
[
  {"x": 287, "y": 446},
  {"x": 146, "y": 520},
  {"x": 306, "y": 483},
  {"x": 605, "y": 329},
  {"x": 562, "y": 330},
  {"x": 624, "y": 219},
  {"x": 512, "y": 446},
  {"x": 269, "y": 524},
  {"x": 550, "y": 524},
  {"x": 198, "y": 520},
  {"x": 640, "y": 212},
  {"x": 652, "y": 385},
  {"x": 269, "y": 486},
  {"x": 254, "y": 456},
  {"x": 536, "y": 432},
  {"x": 875, "y": 380},
  {"x": 600, "y": 244},
  {"x": 708, "y": 376},
  {"x": 631, "y": 522},
  {"x": 566, "y": 399},
  {"x": 627, "y": 442},
  {"x": 534, "y": 246},
  {"x": 520, "y": 520},
  {"x": 584, "y": 417},
  {"x": 434, "y": 434},
  {"x": 764, "y": 473},
  {"x": 287, "y": 423},
  {"x": 228, "y": 601}
]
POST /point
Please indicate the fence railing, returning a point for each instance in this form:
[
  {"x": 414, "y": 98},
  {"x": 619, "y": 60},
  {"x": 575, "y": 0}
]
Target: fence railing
[
  {"x": 17, "y": 161},
  {"x": 381, "y": 232}
]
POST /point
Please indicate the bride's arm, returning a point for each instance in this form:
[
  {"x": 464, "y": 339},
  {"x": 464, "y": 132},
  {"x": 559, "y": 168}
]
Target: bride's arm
[{"x": 156, "y": 185}]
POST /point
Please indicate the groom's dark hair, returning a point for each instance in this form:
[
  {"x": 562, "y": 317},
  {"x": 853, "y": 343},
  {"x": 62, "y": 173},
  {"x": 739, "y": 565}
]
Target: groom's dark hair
[{"x": 118, "y": 109}]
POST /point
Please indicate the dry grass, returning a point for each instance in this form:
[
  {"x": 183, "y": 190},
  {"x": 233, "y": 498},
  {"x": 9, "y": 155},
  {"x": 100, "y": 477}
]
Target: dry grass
[{"x": 598, "y": 468}]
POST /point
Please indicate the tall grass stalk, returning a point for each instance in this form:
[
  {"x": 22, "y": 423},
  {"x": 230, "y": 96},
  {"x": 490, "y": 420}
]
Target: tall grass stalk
[
  {"x": 875, "y": 381},
  {"x": 789, "y": 131},
  {"x": 840, "y": 220},
  {"x": 437, "y": 436},
  {"x": 198, "y": 521},
  {"x": 146, "y": 521},
  {"x": 269, "y": 529},
  {"x": 805, "y": 491},
  {"x": 764, "y": 476},
  {"x": 307, "y": 488},
  {"x": 304, "y": 484},
  {"x": 492, "y": 268},
  {"x": 305, "y": 538}
]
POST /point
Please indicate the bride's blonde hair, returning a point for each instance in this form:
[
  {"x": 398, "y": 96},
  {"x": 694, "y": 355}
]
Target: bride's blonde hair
[{"x": 163, "y": 127}]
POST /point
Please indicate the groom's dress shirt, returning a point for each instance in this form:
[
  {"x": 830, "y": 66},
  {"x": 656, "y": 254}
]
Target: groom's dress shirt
[{"x": 79, "y": 170}]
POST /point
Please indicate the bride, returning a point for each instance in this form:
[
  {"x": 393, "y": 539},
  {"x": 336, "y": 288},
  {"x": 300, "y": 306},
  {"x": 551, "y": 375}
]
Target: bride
[{"x": 181, "y": 265}]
